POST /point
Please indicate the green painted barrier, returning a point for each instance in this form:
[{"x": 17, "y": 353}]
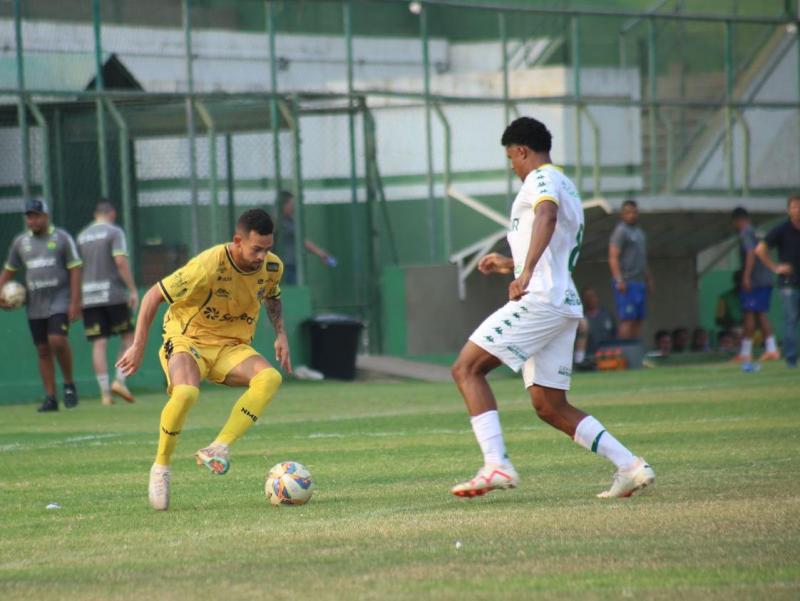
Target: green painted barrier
[{"x": 19, "y": 372}]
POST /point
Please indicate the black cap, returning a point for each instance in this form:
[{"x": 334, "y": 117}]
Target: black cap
[
  {"x": 36, "y": 205},
  {"x": 739, "y": 212}
]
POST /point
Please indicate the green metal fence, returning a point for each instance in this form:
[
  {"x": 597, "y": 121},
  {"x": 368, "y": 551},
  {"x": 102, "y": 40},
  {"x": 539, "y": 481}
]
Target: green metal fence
[{"x": 185, "y": 154}]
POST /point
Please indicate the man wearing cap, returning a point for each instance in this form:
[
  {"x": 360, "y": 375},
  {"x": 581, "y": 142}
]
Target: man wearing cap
[{"x": 53, "y": 278}]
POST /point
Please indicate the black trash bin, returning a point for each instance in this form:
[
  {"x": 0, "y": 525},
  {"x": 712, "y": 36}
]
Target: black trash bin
[{"x": 334, "y": 343}]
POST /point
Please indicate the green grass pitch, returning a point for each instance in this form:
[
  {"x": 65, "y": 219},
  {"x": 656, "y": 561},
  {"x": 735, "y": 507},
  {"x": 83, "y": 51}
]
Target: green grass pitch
[{"x": 722, "y": 522}]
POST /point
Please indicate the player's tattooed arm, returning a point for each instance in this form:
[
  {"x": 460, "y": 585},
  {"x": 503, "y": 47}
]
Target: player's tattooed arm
[{"x": 275, "y": 313}]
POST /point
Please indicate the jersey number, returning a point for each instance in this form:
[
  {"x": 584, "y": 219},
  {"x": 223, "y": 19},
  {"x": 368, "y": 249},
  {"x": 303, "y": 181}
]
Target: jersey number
[{"x": 573, "y": 256}]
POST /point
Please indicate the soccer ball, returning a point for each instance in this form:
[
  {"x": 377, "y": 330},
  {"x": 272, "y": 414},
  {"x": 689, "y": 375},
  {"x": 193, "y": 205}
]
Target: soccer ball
[
  {"x": 13, "y": 293},
  {"x": 289, "y": 483}
]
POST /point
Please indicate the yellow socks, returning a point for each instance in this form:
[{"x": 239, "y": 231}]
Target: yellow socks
[
  {"x": 250, "y": 405},
  {"x": 173, "y": 416}
]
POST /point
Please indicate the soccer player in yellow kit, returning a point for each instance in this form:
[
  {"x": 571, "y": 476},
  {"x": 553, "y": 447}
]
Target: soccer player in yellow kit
[{"x": 214, "y": 301}]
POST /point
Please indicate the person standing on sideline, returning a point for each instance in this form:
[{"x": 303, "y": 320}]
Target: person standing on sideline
[
  {"x": 536, "y": 327},
  {"x": 786, "y": 238},
  {"x": 214, "y": 303},
  {"x": 109, "y": 295},
  {"x": 286, "y": 238},
  {"x": 632, "y": 280},
  {"x": 53, "y": 279},
  {"x": 756, "y": 291}
]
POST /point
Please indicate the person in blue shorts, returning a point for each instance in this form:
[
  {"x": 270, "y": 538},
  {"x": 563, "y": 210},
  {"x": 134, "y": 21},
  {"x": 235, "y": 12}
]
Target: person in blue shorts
[
  {"x": 631, "y": 279},
  {"x": 755, "y": 292}
]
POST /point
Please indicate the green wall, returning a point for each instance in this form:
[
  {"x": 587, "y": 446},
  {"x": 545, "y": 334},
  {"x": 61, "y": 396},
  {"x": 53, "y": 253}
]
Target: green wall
[{"x": 19, "y": 371}]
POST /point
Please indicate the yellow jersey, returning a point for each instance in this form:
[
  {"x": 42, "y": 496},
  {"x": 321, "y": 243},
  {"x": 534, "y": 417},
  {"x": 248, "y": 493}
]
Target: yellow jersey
[{"x": 214, "y": 302}]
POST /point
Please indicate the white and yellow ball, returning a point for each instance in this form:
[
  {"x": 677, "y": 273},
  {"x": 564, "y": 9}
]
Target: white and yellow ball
[
  {"x": 13, "y": 293},
  {"x": 289, "y": 483}
]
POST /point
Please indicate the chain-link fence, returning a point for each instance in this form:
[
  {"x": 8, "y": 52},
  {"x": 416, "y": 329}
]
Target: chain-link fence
[{"x": 378, "y": 115}]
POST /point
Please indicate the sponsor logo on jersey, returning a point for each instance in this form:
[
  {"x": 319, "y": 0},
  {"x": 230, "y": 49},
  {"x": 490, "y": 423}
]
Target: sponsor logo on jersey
[
  {"x": 41, "y": 263},
  {"x": 92, "y": 236},
  {"x": 211, "y": 313},
  {"x": 224, "y": 278},
  {"x": 51, "y": 244},
  {"x": 222, "y": 293},
  {"x": 273, "y": 266},
  {"x": 41, "y": 284}
]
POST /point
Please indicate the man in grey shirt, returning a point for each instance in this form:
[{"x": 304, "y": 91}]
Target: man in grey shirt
[
  {"x": 52, "y": 276},
  {"x": 755, "y": 293},
  {"x": 286, "y": 240},
  {"x": 109, "y": 295},
  {"x": 627, "y": 258}
]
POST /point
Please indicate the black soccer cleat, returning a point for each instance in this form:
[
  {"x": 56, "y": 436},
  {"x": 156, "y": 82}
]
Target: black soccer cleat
[
  {"x": 70, "y": 396},
  {"x": 50, "y": 404}
]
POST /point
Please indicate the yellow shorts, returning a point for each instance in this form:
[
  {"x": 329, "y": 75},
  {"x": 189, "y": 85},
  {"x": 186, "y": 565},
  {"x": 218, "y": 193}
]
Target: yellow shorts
[{"x": 214, "y": 361}]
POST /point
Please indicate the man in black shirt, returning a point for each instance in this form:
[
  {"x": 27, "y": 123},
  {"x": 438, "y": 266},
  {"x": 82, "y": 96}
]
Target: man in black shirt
[{"x": 786, "y": 238}]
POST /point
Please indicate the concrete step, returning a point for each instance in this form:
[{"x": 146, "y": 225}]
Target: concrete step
[{"x": 403, "y": 368}]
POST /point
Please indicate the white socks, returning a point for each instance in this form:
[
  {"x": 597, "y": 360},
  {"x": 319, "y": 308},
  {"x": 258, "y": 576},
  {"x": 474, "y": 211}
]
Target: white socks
[
  {"x": 102, "y": 381},
  {"x": 591, "y": 435},
  {"x": 769, "y": 344},
  {"x": 120, "y": 376},
  {"x": 490, "y": 437},
  {"x": 747, "y": 347}
]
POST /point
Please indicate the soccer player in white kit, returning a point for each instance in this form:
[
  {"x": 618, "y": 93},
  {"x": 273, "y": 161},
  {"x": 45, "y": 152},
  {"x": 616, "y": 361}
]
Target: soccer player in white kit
[{"x": 535, "y": 329}]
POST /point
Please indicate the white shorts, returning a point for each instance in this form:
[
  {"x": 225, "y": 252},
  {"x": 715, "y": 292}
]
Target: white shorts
[{"x": 534, "y": 335}]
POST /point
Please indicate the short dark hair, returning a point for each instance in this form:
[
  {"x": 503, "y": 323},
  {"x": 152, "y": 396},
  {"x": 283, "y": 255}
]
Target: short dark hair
[
  {"x": 630, "y": 203},
  {"x": 284, "y": 197},
  {"x": 739, "y": 213},
  {"x": 104, "y": 206},
  {"x": 660, "y": 334},
  {"x": 257, "y": 220},
  {"x": 527, "y": 131}
]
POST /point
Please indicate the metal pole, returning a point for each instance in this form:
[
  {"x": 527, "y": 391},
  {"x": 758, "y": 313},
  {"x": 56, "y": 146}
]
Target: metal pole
[
  {"x": 432, "y": 233},
  {"x": 99, "y": 85},
  {"x": 230, "y": 183},
  {"x": 208, "y": 121},
  {"x": 576, "y": 84},
  {"x": 651, "y": 113},
  {"x": 746, "y": 153},
  {"x": 190, "y": 125},
  {"x": 347, "y": 14},
  {"x": 728, "y": 39},
  {"x": 22, "y": 114},
  {"x": 42, "y": 122},
  {"x": 501, "y": 23},
  {"x": 125, "y": 173},
  {"x": 273, "y": 104},
  {"x": 595, "y": 151},
  {"x": 448, "y": 137},
  {"x": 291, "y": 114},
  {"x": 59, "y": 155}
]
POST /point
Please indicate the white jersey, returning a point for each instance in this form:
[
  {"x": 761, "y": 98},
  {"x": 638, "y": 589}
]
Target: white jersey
[{"x": 551, "y": 282}]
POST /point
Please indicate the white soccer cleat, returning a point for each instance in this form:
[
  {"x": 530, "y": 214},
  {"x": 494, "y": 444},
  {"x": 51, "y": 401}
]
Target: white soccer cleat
[
  {"x": 158, "y": 490},
  {"x": 490, "y": 477},
  {"x": 215, "y": 458},
  {"x": 626, "y": 482}
]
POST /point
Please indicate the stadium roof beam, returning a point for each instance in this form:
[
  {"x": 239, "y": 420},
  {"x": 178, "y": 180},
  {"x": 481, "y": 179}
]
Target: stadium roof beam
[{"x": 601, "y": 12}]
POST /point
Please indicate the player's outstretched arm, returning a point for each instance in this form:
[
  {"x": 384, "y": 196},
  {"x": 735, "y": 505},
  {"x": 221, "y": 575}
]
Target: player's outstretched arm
[
  {"x": 132, "y": 359},
  {"x": 275, "y": 313}
]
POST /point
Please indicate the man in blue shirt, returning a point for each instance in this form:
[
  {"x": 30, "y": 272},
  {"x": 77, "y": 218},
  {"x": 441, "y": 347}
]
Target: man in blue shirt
[{"x": 755, "y": 292}]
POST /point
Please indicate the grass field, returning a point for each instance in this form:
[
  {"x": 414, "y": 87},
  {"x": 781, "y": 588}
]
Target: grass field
[{"x": 723, "y": 521}]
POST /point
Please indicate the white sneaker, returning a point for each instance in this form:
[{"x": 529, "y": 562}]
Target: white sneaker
[
  {"x": 158, "y": 491},
  {"x": 215, "y": 458},
  {"x": 489, "y": 477},
  {"x": 630, "y": 480}
]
